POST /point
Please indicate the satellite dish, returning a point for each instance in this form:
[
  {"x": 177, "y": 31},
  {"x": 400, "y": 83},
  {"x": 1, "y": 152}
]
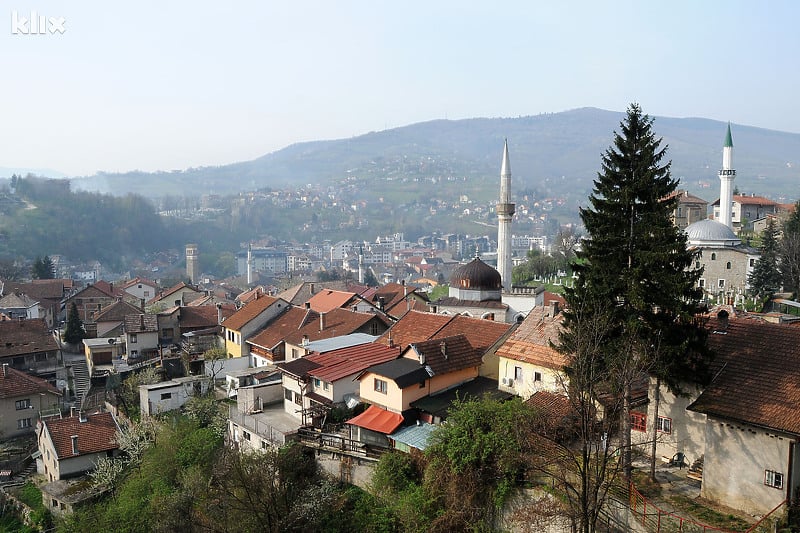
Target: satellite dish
[{"x": 112, "y": 341}]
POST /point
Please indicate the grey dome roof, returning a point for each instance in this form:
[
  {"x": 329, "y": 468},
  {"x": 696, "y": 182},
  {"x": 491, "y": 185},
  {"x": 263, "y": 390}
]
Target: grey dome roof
[
  {"x": 711, "y": 232},
  {"x": 476, "y": 275}
]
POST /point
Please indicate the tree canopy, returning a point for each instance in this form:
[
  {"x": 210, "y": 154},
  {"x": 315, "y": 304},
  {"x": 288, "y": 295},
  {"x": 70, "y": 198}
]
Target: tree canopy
[{"x": 635, "y": 265}]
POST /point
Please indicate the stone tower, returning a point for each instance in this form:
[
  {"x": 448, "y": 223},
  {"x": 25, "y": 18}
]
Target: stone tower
[{"x": 192, "y": 263}]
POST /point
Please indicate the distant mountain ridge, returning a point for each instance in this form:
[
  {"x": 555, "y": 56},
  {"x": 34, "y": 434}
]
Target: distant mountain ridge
[{"x": 553, "y": 153}]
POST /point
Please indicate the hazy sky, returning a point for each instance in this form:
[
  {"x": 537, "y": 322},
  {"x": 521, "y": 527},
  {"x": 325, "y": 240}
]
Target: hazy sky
[{"x": 173, "y": 84}]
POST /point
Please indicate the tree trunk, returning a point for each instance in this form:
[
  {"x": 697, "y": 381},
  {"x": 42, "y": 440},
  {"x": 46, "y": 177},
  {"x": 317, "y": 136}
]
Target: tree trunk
[
  {"x": 655, "y": 430},
  {"x": 626, "y": 431}
]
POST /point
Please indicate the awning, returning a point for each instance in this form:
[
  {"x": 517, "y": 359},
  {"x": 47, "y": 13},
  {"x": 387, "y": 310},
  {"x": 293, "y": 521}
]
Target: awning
[
  {"x": 377, "y": 419},
  {"x": 318, "y": 398}
]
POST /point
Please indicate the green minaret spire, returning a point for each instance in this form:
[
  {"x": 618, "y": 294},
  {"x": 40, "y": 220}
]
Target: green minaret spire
[{"x": 728, "y": 138}]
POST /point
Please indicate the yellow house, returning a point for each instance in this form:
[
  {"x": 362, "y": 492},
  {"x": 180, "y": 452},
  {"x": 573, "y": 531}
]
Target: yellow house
[
  {"x": 526, "y": 360},
  {"x": 248, "y": 321}
]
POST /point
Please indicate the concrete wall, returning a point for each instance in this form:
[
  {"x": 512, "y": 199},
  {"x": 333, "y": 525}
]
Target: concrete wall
[
  {"x": 688, "y": 427},
  {"x": 10, "y": 415},
  {"x": 250, "y": 397},
  {"x": 737, "y": 456}
]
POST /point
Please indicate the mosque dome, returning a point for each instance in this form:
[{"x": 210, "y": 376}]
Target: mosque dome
[
  {"x": 711, "y": 233},
  {"x": 476, "y": 275}
]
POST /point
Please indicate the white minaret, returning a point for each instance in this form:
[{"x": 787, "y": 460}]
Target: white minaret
[
  {"x": 726, "y": 177},
  {"x": 505, "y": 210},
  {"x": 249, "y": 264},
  {"x": 361, "y": 265}
]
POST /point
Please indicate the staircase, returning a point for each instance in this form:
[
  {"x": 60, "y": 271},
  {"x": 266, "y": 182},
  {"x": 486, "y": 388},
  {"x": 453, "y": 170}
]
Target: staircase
[
  {"x": 82, "y": 382},
  {"x": 19, "y": 478},
  {"x": 696, "y": 470}
]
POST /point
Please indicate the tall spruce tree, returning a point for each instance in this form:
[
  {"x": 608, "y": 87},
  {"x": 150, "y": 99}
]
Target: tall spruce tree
[
  {"x": 43, "y": 268},
  {"x": 636, "y": 265},
  {"x": 790, "y": 252},
  {"x": 765, "y": 279},
  {"x": 73, "y": 331}
]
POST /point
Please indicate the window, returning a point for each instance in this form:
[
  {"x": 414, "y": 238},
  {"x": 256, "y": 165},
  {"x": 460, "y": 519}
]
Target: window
[
  {"x": 713, "y": 257},
  {"x": 537, "y": 376},
  {"x": 245, "y": 435},
  {"x": 701, "y": 283},
  {"x": 39, "y": 357},
  {"x": 639, "y": 421},
  {"x": 664, "y": 424},
  {"x": 721, "y": 284},
  {"x": 287, "y": 395},
  {"x": 752, "y": 262},
  {"x": 317, "y": 383},
  {"x": 325, "y": 385},
  {"x": 133, "y": 338},
  {"x": 380, "y": 386},
  {"x": 166, "y": 395},
  {"x": 373, "y": 328},
  {"x": 298, "y": 399},
  {"x": 518, "y": 373},
  {"x": 23, "y": 423},
  {"x": 728, "y": 265},
  {"x": 773, "y": 479},
  {"x": 55, "y": 503},
  {"x": 697, "y": 264},
  {"x": 264, "y": 445},
  {"x": 134, "y": 353},
  {"x": 23, "y": 404}
]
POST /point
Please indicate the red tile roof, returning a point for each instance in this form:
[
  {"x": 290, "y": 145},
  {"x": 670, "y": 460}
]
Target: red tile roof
[
  {"x": 202, "y": 316},
  {"x": 446, "y": 354},
  {"x": 96, "y": 434},
  {"x": 343, "y": 362},
  {"x": 414, "y": 326},
  {"x": 482, "y": 334},
  {"x": 337, "y": 322},
  {"x": 377, "y": 419},
  {"x": 247, "y": 313},
  {"x": 757, "y": 377},
  {"x": 141, "y": 323},
  {"x": 20, "y": 337},
  {"x": 116, "y": 312},
  {"x": 14, "y": 383},
  {"x": 530, "y": 343}
]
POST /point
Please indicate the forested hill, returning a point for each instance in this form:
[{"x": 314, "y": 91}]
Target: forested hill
[
  {"x": 554, "y": 153},
  {"x": 43, "y": 217}
]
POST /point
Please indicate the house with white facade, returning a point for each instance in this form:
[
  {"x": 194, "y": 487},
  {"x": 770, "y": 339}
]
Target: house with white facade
[
  {"x": 170, "y": 395},
  {"x": 744, "y": 427},
  {"x": 70, "y": 447}
]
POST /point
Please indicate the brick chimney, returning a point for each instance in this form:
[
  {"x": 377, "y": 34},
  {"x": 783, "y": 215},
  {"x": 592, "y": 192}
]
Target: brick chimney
[{"x": 322, "y": 321}]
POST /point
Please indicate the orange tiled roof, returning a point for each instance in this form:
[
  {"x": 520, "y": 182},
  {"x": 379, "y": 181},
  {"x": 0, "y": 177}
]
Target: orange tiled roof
[
  {"x": 96, "y": 434},
  {"x": 530, "y": 343},
  {"x": 281, "y": 326},
  {"x": 757, "y": 377},
  {"x": 328, "y": 299},
  {"x": 377, "y": 419},
  {"x": 247, "y": 313},
  {"x": 15, "y": 383}
]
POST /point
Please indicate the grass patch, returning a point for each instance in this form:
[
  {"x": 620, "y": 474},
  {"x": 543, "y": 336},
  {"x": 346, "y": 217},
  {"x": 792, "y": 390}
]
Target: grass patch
[
  {"x": 708, "y": 515},
  {"x": 645, "y": 486},
  {"x": 30, "y": 495}
]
